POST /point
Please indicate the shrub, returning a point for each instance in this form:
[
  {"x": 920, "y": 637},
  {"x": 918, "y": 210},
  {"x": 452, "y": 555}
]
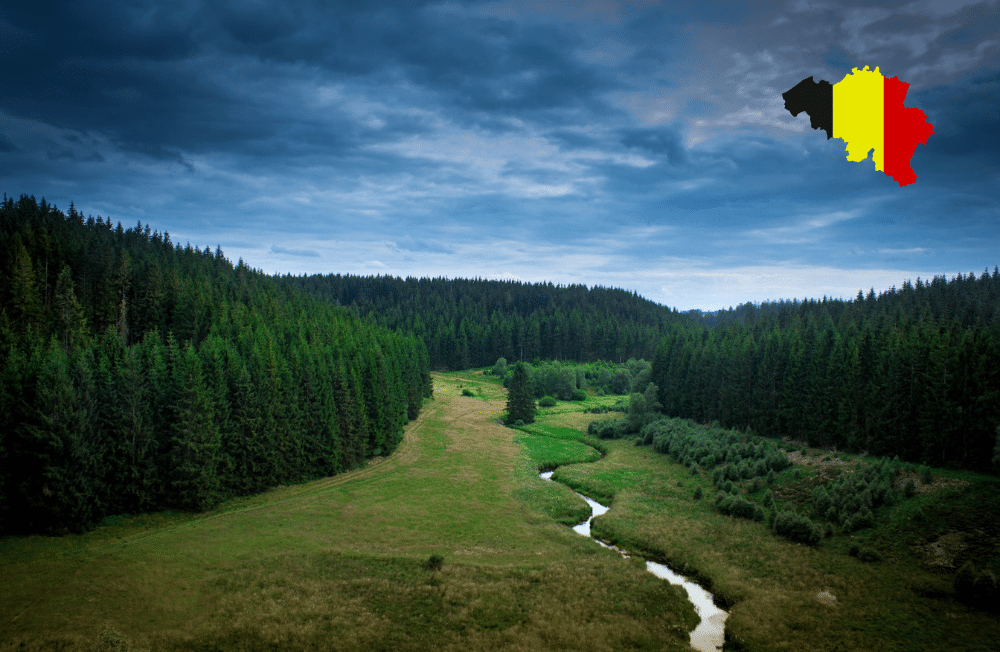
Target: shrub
[
  {"x": 869, "y": 555},
  {"x": 925, "y": 474},
  {"x": 854, "y": 549},
  {"x": 796, "y": 475},
  {"x": 546, "y": 401},
  {"x": 468, "y": 392},
  {"x": 863, "y": 519},
  {"x": 699, "y": 494},
  {"x": 909, "y": 489},
  {"x": 758, "y": 513},
  {"x": 797, "y": 527},
  {"x": 614, "y": 429},
  {"x": 579, "y": 395},
  {"x": 828, "y": 530},
  {"x": 518, "y": 423},
  {"x": 770, "y": 477},
  {"x": 695, "y": 470},
  {"x": 728, "y": 487},
  {"x": 754, "y": 486},
  {"x": 434, "y": 562}
]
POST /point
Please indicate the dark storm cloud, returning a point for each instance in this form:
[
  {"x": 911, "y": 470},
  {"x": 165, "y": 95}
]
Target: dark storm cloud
[
  {"x": 160, "y": 78},
  {"x": 536, "y": 139}
]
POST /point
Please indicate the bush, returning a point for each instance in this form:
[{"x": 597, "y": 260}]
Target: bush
[
  {"x": 728, "y": 487},
  {"x": 468, "y": 392},
  {"x": 869, "y": 555},
  {"x": 579, "y": 395},
  {"x": 910, "y": 489},
  {"x": 796, "y": 527},
  {"x": 854, "y": 549},
  {"x": 770, "y": 477},
  {"x": 694, "y": 469},
  {"x": 698, "y": 494},
  {"x": 614, "y": 429},
  {"x": 434, "y": 562},
  {"x": 518, "y": 423},
  {"x": 768, "y": 499},
  {"x": 546, "y": 401},
  {"x": 925, "y": 474}
]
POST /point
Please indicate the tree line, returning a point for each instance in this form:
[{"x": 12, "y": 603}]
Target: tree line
[
  {"x": 913, "y": 372},
  {"x": 136, "y": 375},
  {"x": 469, "y": 323}
]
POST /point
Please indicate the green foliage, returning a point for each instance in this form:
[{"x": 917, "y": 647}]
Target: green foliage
[
  {"x": 520, "y": 401},
  {"x": 434, "y": 563},
  {"x": 910, "y": 488},
  {"x": 579, "y": 395},
  {"x": 468, "y": 392},
  {"x": 925, "y": 474},
  {"x": 643, "y": 408},
  {"x": 500, "y": 367},
  {"x": 611, "y": 429},
  {"x": 699, "y": 493},
  {"x": 869, "y": 555},
  {"x": 177, "y": 380},
  {"x": 546, "y": 401},
  {"x": 797, "y": 527}
]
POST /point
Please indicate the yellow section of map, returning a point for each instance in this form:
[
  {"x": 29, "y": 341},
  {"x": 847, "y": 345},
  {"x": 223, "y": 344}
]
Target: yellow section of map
[{"x": 858, "y": 114}]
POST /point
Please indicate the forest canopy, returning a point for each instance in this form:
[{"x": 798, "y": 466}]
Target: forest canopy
[{"x": 138, "y": 375}]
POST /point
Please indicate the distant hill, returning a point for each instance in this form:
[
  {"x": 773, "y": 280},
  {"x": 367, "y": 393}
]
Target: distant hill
[{"x": 472, "y": 322}]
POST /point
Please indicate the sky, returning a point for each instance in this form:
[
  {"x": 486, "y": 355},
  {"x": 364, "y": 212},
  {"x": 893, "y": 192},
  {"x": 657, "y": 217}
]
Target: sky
[{"x": 632, "y": 144}]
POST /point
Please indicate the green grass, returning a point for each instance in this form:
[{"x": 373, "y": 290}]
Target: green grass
[
  {"x": 340, "y": 563},
  {"x": 772, "y": 583}
]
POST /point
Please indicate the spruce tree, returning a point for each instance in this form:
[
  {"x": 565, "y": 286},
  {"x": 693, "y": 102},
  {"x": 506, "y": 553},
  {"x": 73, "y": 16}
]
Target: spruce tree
[{"x": 520, "y": 401}]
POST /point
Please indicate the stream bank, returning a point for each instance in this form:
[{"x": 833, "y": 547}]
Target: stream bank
[{"x": 709, "y": 635}]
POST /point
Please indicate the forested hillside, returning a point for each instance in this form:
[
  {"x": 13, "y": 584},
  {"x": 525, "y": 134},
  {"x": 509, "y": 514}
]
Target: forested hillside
[
  {"x": 137, "y": 375},
  {"x": 912, "y": 372},
  {"x": 471, "y": 323}
]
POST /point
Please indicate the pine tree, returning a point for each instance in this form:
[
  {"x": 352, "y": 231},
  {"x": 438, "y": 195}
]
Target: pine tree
[{"x": 520, "y": 402}]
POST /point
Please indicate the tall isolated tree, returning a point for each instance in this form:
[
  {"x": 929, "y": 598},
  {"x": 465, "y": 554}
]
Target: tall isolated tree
[{"x": 520, "y": 401}]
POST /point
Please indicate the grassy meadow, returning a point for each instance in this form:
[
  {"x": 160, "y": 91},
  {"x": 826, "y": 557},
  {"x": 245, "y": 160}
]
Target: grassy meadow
[
  {"x": 789, "y": 596},
  {"x": 342, "y": 563}
]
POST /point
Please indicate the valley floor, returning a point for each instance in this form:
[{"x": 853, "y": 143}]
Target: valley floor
[{"x": 341, "y": 563}]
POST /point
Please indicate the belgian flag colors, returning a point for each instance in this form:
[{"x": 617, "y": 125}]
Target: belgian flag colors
[{"x": 866, "y": 110}]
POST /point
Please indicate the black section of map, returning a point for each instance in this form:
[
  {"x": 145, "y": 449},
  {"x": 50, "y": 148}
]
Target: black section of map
[{"x": 816, "y": 99}]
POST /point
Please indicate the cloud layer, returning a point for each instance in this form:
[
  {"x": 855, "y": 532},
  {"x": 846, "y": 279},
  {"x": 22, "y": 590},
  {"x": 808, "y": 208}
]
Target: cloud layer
[{"x": 632, "y": 144}]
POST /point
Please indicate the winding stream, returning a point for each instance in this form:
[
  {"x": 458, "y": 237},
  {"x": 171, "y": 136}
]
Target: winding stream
[{"x": 708, "y": 636}]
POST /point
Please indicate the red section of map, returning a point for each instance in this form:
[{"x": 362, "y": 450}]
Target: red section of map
[{"x": 904, "y": 129}]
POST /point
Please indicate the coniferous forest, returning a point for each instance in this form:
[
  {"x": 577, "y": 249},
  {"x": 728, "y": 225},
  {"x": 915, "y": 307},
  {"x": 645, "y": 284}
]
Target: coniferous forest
[
  {"x": 140, "y": 375},
  {"x": 912, "y": 372}
]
